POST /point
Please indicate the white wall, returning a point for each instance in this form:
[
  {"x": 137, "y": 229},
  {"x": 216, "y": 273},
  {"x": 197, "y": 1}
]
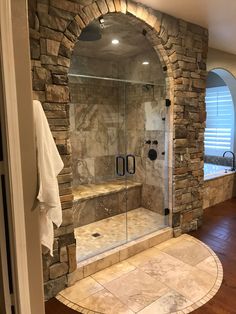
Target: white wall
[{"x": 221, "y": 59}]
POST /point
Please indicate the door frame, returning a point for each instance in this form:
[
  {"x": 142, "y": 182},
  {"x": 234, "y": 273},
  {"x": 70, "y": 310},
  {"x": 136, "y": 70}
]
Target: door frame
[{"x": 19, "y": 158}]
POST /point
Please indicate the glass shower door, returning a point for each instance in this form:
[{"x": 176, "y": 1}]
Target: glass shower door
[
  {"x": 146, "y": 159},
  {"x": 98, "y": 151}
]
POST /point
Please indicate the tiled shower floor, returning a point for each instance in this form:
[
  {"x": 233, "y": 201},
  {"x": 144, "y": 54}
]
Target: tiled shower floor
[{"x": 115, "y": 231}]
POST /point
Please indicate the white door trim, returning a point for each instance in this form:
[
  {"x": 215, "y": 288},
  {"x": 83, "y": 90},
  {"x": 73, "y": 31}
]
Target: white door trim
[{"x": 13, "y": 156}]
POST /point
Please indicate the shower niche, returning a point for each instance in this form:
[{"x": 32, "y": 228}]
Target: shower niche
[{"x": 119, "y": 135}]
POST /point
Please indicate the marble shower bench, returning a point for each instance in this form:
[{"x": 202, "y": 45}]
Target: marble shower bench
[{"x": 93, "y": 202}]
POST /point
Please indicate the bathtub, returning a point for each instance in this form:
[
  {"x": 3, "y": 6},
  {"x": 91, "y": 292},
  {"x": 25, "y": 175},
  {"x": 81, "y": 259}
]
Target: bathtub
[
  {"x": 219, "y": 184},
  {"x": 212, "y": 171}
]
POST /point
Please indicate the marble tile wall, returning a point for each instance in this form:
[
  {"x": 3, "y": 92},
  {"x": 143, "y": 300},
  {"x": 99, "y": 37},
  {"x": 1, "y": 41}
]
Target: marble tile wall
[
  {"x": 97, "y": 208},
  {"x": 146, "y": 110},
  {"x": 110, "y": 118},
  {"x": 96, "y": 120}
]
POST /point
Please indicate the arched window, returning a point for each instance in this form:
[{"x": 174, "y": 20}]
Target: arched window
[{"x": 219, "y": 133}]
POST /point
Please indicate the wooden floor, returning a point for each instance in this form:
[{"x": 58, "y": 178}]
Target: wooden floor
[{"x": 219, "y": 232}]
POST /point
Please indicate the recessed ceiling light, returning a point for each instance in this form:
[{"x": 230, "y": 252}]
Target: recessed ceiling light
[
  {"x": 115, "y": 41},
  {"x": 145, "y": 63}
]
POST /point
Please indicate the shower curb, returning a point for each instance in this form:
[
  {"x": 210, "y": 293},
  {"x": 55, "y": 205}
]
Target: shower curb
[{"x": 118, "y": 254}]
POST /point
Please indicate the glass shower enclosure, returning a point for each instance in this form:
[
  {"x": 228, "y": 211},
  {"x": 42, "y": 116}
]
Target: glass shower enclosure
[{"x": 120, "y": 161}]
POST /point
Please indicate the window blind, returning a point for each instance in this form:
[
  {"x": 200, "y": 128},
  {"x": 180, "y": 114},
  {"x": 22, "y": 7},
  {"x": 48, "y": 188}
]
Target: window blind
[{"x": 220, "y": 121}]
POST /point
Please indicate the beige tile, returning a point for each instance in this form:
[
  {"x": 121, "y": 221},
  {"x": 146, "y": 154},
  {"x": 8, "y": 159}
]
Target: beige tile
[
  {"x": 161, "y": 238},
  {"x": 143, "y": 257},
  {"x": 136, "y": 289},
  {"x": 160, "y": 265},
  {"x": 188, "y": 251},
  {"x": 81, "y": 290},
  {"x": 134, "y": 249},
  {"x": 75, "y": 276},
  {"x": 139, "y": 222},
  {"x": 113, "y": 272},
  {"x": 168, "y": 303},
  {"x": 101, "y": 264},
  {"x": 208, "y": 265},
  {"x": 168, "y": 243},
  {"x": 185, "y": 279},
  {"x": 105, "y": 302}
]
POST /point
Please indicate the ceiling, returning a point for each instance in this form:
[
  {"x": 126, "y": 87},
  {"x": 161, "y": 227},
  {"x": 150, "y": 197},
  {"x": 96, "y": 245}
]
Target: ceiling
[
  {"x": 120, "y": 26},
  {"x": 219, "y": 16}
]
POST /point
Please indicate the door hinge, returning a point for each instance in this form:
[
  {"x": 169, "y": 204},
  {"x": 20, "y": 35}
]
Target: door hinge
[
  {"x": 168, "y": 102},
  {"x": 166, "y": 211}
]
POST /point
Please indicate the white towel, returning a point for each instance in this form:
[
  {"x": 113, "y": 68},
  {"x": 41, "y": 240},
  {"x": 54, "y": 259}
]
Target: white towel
[{"x": 49, "y": 166}]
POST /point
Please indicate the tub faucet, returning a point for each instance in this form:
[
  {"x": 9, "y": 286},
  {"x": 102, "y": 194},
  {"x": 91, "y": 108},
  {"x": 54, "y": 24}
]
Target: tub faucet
[{"x": 233, "y": 159}]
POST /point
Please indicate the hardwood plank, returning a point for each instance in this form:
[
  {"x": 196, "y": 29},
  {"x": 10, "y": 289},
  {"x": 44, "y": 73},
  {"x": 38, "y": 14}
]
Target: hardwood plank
[{"x": 219, "y": 232}]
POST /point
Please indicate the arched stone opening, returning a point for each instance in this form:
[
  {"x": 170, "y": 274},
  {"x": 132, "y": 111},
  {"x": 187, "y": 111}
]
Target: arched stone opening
[
  {"x": 220, "y": 80},
  {"x": 182, "y": 49}
]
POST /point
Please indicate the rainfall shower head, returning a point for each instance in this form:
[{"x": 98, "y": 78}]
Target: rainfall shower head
[{"x": 91, "y": 33}]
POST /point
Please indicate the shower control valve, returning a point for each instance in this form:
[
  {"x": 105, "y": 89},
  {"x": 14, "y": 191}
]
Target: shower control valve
[
  {"x": 155, "y": 142},
  {"x": 148, "y": 142}
]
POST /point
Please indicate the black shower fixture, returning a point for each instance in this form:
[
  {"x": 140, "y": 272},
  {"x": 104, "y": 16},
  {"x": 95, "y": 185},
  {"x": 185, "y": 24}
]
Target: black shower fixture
[
  {"x": 91, "y": 33},
  {"x": 144, "y": 32},
  {"x": 101, "y": 21}
]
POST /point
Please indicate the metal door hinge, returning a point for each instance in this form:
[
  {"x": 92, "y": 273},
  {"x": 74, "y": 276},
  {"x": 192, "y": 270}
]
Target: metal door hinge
[
  {"x": 166, "y": 211},
  {"x": 168, "y": 102}
]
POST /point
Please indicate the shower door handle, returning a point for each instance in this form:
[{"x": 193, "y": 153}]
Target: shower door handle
[
  {"x": 128, "y": 169},
  {"x": 122, "y": 173}
]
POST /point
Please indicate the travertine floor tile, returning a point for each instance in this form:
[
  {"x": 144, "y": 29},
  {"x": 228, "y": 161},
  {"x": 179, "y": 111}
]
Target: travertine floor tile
[
  {"x": 160, "y": 280},
  {"x": 105, "y": 302},
  {"x": 136, "y": 289},
  {"x": 208, "y": 265},
  {"x": 143, "y": 257},
  {"x": 190, "y": 282},
  {"x": 161, "y": 265},
  {"x": 168, "y": 303},
  {"x": 81, "y": 290},
  {"x": 188, "y": 251},
  {"x": 113, "y": 272}
]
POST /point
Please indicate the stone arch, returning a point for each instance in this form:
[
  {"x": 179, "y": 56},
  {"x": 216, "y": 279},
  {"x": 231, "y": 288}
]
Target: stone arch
[
  {"x": 182, "y": 49},
  {"x": 155, "y": 23}
]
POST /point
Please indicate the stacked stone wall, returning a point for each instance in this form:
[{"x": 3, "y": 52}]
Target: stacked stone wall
[{"x": 182, "y": 48}]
